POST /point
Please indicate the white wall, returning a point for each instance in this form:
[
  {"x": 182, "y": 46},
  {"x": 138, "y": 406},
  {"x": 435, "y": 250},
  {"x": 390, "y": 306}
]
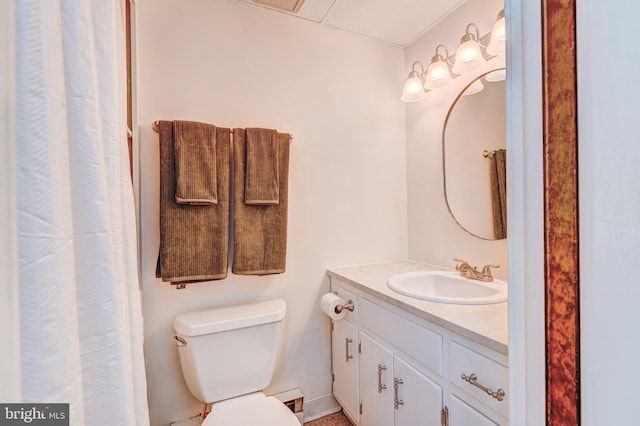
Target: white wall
[
  {"x": 9, "y": 306},
  {"x": 609, "y": 176},
  {"x": 338, "y": 93},
  {"x": 434, "y": 236}
]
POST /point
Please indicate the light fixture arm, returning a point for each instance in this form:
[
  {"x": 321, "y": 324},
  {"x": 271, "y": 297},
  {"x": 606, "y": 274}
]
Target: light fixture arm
[
  {"x": 438, "y": 57},
  {"x": 415, "y": 73},
  {"x": 475, "y": 36}
]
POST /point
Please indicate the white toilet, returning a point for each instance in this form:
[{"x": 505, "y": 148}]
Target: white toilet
[{"x": 228, "y": 356}]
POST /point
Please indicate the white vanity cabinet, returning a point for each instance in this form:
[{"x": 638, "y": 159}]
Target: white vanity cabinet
[
  {"x": 344, "y": 359},
  {"x": 393, "y": 368},
  {"x": 419, "y": 398},
  {"x": 376, "y": 382},
  {"x": 392, "y": 392}
]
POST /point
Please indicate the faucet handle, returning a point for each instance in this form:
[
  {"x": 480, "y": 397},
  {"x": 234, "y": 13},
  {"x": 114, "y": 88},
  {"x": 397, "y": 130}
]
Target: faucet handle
[
  {"x": 486, "y": 271},
  {"x": 460, "y": 263}
]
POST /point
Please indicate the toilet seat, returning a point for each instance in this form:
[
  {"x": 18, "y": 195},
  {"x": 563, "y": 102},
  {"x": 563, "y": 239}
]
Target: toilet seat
[{"x": 254, "y": 409}]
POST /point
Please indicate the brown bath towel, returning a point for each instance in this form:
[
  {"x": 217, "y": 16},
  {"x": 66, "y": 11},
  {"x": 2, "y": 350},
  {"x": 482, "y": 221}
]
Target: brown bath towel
[
  {"x": 259, "y": 231},
  {"x": 261, "y": 168},
  {"x": 193, "y": 239},
  {"x": 194, "y": 146}
]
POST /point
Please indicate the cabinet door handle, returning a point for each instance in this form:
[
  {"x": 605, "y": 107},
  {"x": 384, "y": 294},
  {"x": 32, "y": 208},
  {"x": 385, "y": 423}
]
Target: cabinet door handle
[
  {"x": 397, "y": 402},
  {"x": 347, "y": 357},
  {"x": 473, "y": 379},
  {"x": 381, "y": 368}
]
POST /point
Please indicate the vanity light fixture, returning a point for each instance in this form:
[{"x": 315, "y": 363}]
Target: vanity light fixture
[
  {"x": 438, "y": 74},
  {"x": 470, "y": 55},
  {"x": 414, "y": 86}
]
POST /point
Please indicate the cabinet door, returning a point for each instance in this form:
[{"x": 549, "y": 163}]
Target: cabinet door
[
  {"x": 419, "y": 398},
  {"x": 376, "y": 383},
  {"x": 460, "y": 414},
  {"x": 344, "y": 356}
]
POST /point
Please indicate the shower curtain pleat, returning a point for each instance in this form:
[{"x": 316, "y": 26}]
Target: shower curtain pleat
[{"x": 81, "y": 319}]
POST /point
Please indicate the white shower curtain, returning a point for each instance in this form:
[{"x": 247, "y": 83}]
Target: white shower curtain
[{"x": 81, "y": 321}]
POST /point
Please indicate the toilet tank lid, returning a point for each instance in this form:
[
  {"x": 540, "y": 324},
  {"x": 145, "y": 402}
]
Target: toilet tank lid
[{"x": 216, "y": 320}]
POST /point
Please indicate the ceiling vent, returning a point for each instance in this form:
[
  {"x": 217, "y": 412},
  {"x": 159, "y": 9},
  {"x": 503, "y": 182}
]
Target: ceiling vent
[{"x": 292, "y": 6}]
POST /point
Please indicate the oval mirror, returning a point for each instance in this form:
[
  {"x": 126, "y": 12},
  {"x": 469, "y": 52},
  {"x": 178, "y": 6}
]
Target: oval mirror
[{"x": 473, "y": 157}]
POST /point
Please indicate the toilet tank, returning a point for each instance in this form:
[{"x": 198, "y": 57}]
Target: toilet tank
[{"x": 230, "y": 351}]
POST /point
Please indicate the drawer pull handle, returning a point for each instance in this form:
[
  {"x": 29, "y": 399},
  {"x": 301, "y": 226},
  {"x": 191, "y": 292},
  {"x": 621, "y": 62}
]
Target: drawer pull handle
[
  {"x": 397, "y": 402},
  {"x": 381, "y": 368},
  {"x": 347, "y": 356},
  {"x": 473, "y": 379}
]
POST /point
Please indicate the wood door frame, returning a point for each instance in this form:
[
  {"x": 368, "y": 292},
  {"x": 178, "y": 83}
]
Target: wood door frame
[{"x": 561, "y": 231}]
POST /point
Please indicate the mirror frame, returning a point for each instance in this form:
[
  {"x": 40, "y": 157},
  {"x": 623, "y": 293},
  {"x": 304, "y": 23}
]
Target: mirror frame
[{"x": 444, "y": 171}]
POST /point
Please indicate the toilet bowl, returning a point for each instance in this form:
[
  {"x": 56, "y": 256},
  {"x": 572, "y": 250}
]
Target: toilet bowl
[{"x": 228, "y": 357}]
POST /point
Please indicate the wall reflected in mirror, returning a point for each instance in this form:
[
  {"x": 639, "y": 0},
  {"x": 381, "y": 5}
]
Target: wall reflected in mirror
[{"x": 473, "y": 157}]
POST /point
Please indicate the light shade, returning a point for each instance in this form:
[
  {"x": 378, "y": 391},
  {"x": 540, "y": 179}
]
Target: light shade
[
  {"x": 414, "y": 86},
  {"x": 498, "y": 36},
  {"x": 474, "y": 88},
  {"x": 438, "y": 74},
  {"x": 468, "y": 57},
  {"x": 497, "y": 75},
  {"x": 413, "y": 90}
]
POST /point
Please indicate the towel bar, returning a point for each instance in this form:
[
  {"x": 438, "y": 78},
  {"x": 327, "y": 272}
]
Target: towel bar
[{"x": 155, "y": 128}]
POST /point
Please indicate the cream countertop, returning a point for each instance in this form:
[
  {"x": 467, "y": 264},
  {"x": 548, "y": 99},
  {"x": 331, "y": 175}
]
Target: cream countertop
[{"x": 483, "y": 324}]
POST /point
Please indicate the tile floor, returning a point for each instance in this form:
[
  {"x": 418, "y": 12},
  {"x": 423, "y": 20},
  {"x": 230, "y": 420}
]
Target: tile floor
[{"x": 336, "y": 419}]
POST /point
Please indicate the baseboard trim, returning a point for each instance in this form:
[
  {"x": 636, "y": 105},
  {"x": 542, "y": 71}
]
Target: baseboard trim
[{"x": 320, "y": 407}]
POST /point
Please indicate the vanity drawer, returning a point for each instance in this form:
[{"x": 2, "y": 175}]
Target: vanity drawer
[
  {"x": 423, "y": 344},
  {"x": 347, "y": 295},
  {"x": 488, "y": 373}
]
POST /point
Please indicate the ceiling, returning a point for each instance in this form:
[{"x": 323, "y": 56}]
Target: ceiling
[{"x": 399, "y": 22}]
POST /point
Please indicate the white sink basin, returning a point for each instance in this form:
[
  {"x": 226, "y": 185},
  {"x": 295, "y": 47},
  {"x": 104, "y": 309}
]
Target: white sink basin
[{"x": 448, "y": 287}]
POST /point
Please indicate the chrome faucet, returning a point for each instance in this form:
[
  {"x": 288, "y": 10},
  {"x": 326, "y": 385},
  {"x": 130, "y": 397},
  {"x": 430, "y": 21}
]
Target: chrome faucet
[{"x": 472, "y": 272}]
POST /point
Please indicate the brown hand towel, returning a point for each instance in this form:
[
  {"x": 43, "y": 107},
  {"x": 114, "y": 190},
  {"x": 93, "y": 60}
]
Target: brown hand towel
[
  {"x": 194, "y": 147},
  {"x": 193, "y": 239},
  {"x": 498, "y": 177},
  {"x": 260, "y": 231},
  {"x": 261, "y": 169}
]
